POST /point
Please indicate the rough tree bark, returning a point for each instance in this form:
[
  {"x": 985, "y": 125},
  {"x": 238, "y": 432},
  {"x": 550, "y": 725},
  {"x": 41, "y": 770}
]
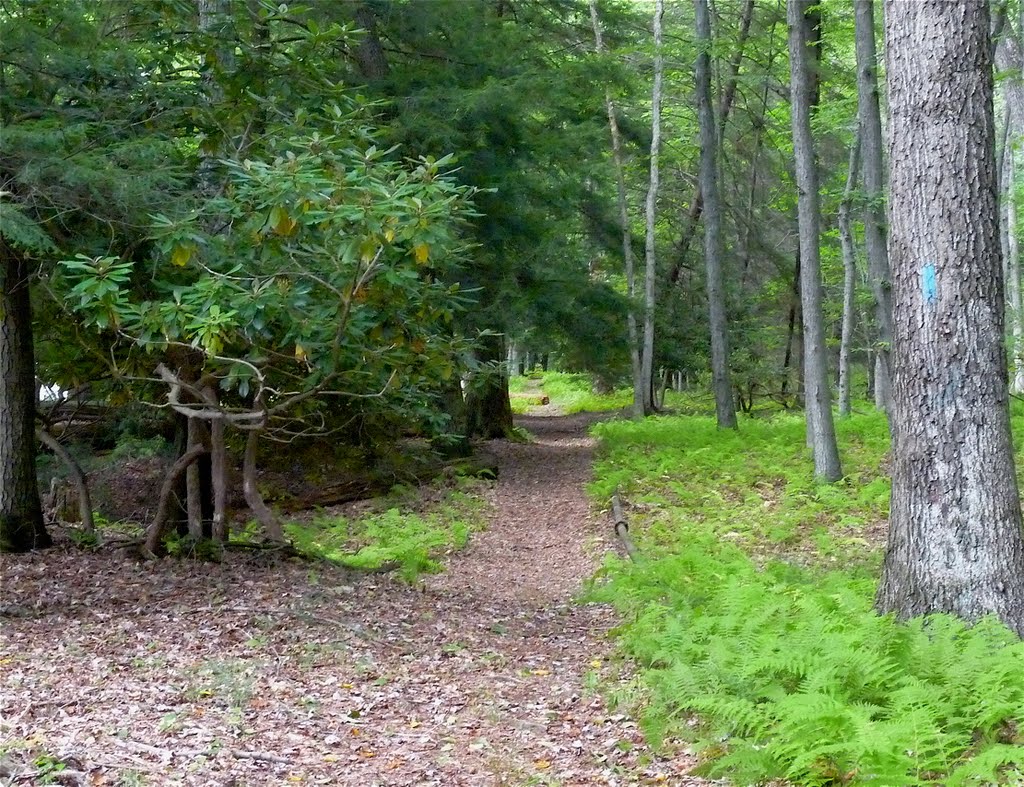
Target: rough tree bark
[
  {"x": 849, "y": 276},
  {"x": 955, "y": 541},
  {"x": 645, "y": 396},
  {"x": 21, "y": 511},
  {"x": 721, "y": 381},
  {"x": 820, "y": 427},
  {"x": 870, "y": 117}
]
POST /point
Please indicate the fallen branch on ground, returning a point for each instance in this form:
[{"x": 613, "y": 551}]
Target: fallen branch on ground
[{"x": 622, "y": 528}]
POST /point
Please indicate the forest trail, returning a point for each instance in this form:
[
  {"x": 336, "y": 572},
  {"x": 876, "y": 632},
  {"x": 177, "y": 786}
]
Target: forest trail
[{"x": 253, "y": 674}]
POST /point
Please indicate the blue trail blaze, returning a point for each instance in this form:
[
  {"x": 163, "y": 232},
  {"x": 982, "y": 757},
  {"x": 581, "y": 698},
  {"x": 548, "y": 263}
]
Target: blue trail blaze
[{"x": 929, "y": 286}]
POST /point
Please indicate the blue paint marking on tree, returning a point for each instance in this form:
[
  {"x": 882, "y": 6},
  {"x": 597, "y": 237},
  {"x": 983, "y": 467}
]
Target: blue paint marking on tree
[{"x": 929, "y": 286}]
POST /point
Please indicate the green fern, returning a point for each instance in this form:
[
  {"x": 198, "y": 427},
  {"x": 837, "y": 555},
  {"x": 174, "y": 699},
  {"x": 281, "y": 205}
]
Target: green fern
[{"x": 784, "y": 664}]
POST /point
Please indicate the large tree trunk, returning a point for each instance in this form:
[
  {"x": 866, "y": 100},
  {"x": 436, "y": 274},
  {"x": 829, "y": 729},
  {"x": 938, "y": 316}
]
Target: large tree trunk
[
  {"x": 849, "y": 276},
  {"x": 870, "y": 117},
  {"x": 721, "y": 381},
  {"x": 454, "y": 443},
  {"x": 627, "y": 235},
  {"x": 488, "y": 408},
  {"x": 820, "y": 427},
  {"x": 644, "y": 395},
  {"x": 955, "y": 541},
  {"x": 21, "y": 511}
]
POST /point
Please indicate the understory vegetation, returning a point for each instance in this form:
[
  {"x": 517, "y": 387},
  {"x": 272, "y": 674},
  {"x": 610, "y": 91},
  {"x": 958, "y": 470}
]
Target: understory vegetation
[
  {"x": 397, "y": 537},
  {"x": 573, "y": 392},
  {"x": 750, "y": 615}
]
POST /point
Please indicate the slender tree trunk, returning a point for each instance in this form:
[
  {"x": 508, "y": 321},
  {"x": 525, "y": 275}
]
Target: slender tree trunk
[
  {"x": 197, "y": 435},
  {"x": 645, "y": 395},
  {"x": 882, "y": 382},
  {"x": 820, "y": 426},
  {"x": 156, "y": 529},
  {"x": 219, "y": 529},
  {"x": 1010, "y": 60},
  {"x": 870, "y": 117},
  {"x": 268, "y": 520},
  {"x": 725, "y": 108},
  {"x": 794, "y": 325},
  {"x": 955, "y": 540},
  {"x": 21, "y": 510},
  {"x": 627, "y": 235},
  {"x": 721, "y": 381},
  {"x": 1013, "y": 276},
  {"x": 849, "y": 276},
  {"x": 77, "y": 476}
]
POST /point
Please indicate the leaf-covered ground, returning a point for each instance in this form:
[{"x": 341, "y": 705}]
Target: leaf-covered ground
[{"x": 262, "y": 671}]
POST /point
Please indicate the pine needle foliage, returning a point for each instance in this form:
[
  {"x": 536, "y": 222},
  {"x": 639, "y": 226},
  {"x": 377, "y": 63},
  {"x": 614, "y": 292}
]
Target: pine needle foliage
[{"x": 779, "y": 655}]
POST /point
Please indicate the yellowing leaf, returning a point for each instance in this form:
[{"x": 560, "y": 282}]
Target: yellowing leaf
[
  {"x": 283, "y": 223},
  {"x": 540, "y": 672},
  {"x": 368, "y": 249},
  {"x": 300, "y": 353},
  {"x": 422, "y": 252},
  {"x": 331, "y": 758},
  {"x": 596, "y": 663},
  {"x": 389, "y": 235},
  {"x": 542, "y": 764},
  {"x": 181, "y": 254}
]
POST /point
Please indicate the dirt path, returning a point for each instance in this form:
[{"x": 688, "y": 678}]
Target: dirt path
[{"x": 254, "y": 674}]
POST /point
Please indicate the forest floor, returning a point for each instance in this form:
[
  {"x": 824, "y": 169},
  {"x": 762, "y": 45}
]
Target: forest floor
[{"x": 268, "y": 671}]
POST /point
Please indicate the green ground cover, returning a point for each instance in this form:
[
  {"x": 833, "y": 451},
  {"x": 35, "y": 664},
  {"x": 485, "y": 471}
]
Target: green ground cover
[{"x": 750, "y": 615}]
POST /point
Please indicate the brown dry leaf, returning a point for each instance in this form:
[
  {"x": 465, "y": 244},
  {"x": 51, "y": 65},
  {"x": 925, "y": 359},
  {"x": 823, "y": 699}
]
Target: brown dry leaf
[{"x": 249, "y": 671}]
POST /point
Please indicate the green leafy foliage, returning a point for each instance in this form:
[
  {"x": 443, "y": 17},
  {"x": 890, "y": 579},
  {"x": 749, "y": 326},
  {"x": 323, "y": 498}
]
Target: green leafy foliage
[
  {"x": 779, "y": 655},
  {"x": 410, "y": 542}
]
